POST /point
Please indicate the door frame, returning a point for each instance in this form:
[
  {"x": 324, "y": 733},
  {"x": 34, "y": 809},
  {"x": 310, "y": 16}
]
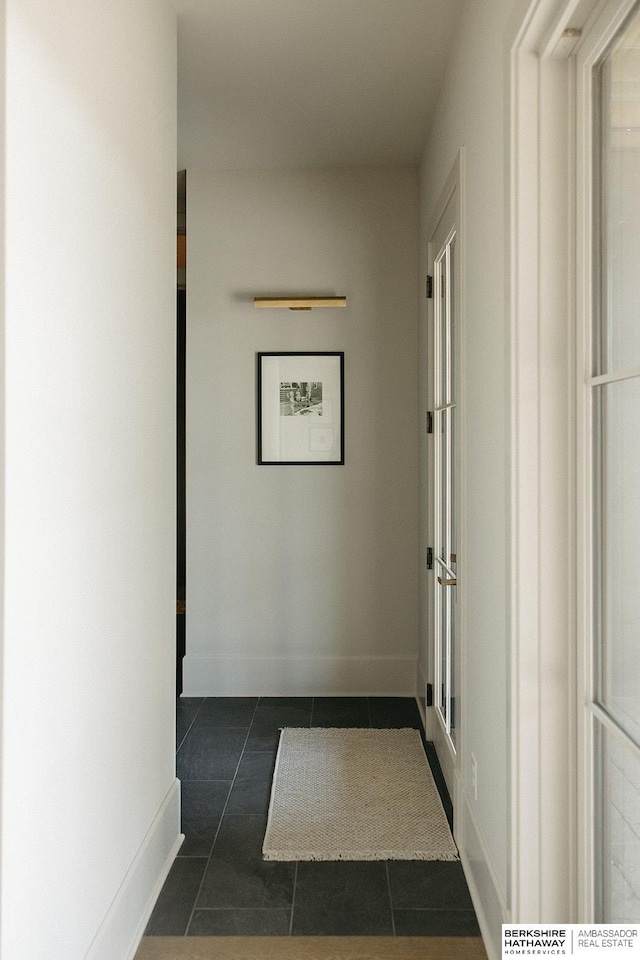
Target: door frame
[
  {"x": 541, "y": 616},
  {"x": 450, "y": 762}
]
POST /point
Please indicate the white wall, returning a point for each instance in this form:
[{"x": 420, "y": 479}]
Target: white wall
[
  {"x": 90, "y": 811},
  {"x": 302, "y": 579},
  {"x": 472, "y": 113}
]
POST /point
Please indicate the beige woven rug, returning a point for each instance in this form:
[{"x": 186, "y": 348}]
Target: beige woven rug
[{"x": 355, "y": 795}]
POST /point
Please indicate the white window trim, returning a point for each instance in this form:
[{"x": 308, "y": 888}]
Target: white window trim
[{"x": 542, "y": 689}]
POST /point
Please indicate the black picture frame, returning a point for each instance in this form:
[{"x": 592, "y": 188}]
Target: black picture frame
[{"x": 300, "y": 408}]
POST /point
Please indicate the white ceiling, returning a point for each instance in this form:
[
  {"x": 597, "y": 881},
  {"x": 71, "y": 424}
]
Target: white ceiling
[{"x": 268, "y": 83}]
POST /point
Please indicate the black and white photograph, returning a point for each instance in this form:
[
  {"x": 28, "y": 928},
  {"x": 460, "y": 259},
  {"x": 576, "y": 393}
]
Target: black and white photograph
[
  {"x": 300, "y": 408},
  {"x": 301, "y": 399}
]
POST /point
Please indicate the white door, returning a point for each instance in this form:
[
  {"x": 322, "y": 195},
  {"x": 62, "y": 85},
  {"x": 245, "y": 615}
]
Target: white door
[
  {"x": 445, "y": 522},
  {"x": 609, "y": 384}
]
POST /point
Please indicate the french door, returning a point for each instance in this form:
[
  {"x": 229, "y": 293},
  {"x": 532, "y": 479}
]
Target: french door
[
  {"x": 609, "y": 387},
  {"x": 445, "y": 524}
]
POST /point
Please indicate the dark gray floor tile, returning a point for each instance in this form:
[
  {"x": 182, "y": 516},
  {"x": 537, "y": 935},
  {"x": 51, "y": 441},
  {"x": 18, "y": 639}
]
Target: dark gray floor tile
[
  {"x": 264, "y": 737},
  {"x": 237, "y": 876},
  {"x": 283, "y": 712},
  {"x": 343, "y": 898},
  {"x": 186, "y": 711},
  {"x": 249, "y": 797},
  {"x": 277, "y": 704},
  {"x": 227, "y": 711},
  {"x": 394, "y": 712},
  {"x": 271, "y": 715},
  {"x": 436, "y": 923},
  {"x": 174, "y": 905},
  {"x": 202, "y": 805},
  {"x": 188, "y": 705},
  {"x": 340, "y": 712},
  {"x": 256, "y": 765},
  {"x": 428, "y": 885},
  {"x": 252, "y": 788},
  {"x": 210, "y": 753},
  {"x": 269, "y": 922}
]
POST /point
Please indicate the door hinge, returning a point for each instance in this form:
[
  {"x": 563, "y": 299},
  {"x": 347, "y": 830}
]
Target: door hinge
[
  {"x": 429, "y": 422},
  {"x": 429, "y": 695},
  {"x": 429, "y": 558},
  {"x": 429, "y": 288}
]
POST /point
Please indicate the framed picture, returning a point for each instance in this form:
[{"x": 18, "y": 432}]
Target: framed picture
[{"x": 300, "y": 408}]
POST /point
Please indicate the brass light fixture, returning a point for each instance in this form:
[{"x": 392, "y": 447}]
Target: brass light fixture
[{"x": 299, "y": 303}]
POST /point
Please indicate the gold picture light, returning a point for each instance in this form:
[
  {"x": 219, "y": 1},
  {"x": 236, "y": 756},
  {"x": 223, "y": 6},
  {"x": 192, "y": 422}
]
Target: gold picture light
[{"x": 300, "y": 303}]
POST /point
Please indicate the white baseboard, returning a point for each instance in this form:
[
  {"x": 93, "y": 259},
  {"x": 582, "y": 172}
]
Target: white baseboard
[
  {"x": 299, "y": 676},
  {"x": 121, "y": 930},
  {"x": 487, "y": 896}
]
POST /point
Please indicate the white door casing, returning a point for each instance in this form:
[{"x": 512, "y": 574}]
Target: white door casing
[{"x": 541, "y": 694}]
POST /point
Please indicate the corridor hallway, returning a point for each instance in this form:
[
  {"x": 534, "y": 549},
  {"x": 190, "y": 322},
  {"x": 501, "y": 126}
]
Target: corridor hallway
[{"x": 219, "y": 885}]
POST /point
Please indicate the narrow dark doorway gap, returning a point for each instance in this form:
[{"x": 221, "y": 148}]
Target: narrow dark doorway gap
[
  {"x": 181, "y": 342},
  {"x": 181, "y": 490}
]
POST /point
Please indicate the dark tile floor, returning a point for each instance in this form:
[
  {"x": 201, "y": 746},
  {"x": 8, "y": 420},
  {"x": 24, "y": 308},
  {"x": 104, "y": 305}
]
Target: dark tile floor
[{"x": 220, "y": 885}]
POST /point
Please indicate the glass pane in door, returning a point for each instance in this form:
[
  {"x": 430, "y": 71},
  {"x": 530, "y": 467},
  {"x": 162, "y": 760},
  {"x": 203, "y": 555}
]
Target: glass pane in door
[
  {"x": 618, "y": 558},
  {"x": 616, "y": 470},
  {"x": 619, "y": 238},
  {"x": 444, "y": 445},
  {"x": 451, "y": 262},
  {"x": 443, "y": 645},
  {"x": 453, "y": 521},
  {"x": 453, "y": 698},
  {"x": 619, "y": 842},
  {"x": 442, "y": 387}
]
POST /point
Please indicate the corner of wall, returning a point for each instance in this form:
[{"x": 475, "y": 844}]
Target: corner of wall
[
  {"x": 488, "y": 898},
  {"x": 123, "y": 926}
]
